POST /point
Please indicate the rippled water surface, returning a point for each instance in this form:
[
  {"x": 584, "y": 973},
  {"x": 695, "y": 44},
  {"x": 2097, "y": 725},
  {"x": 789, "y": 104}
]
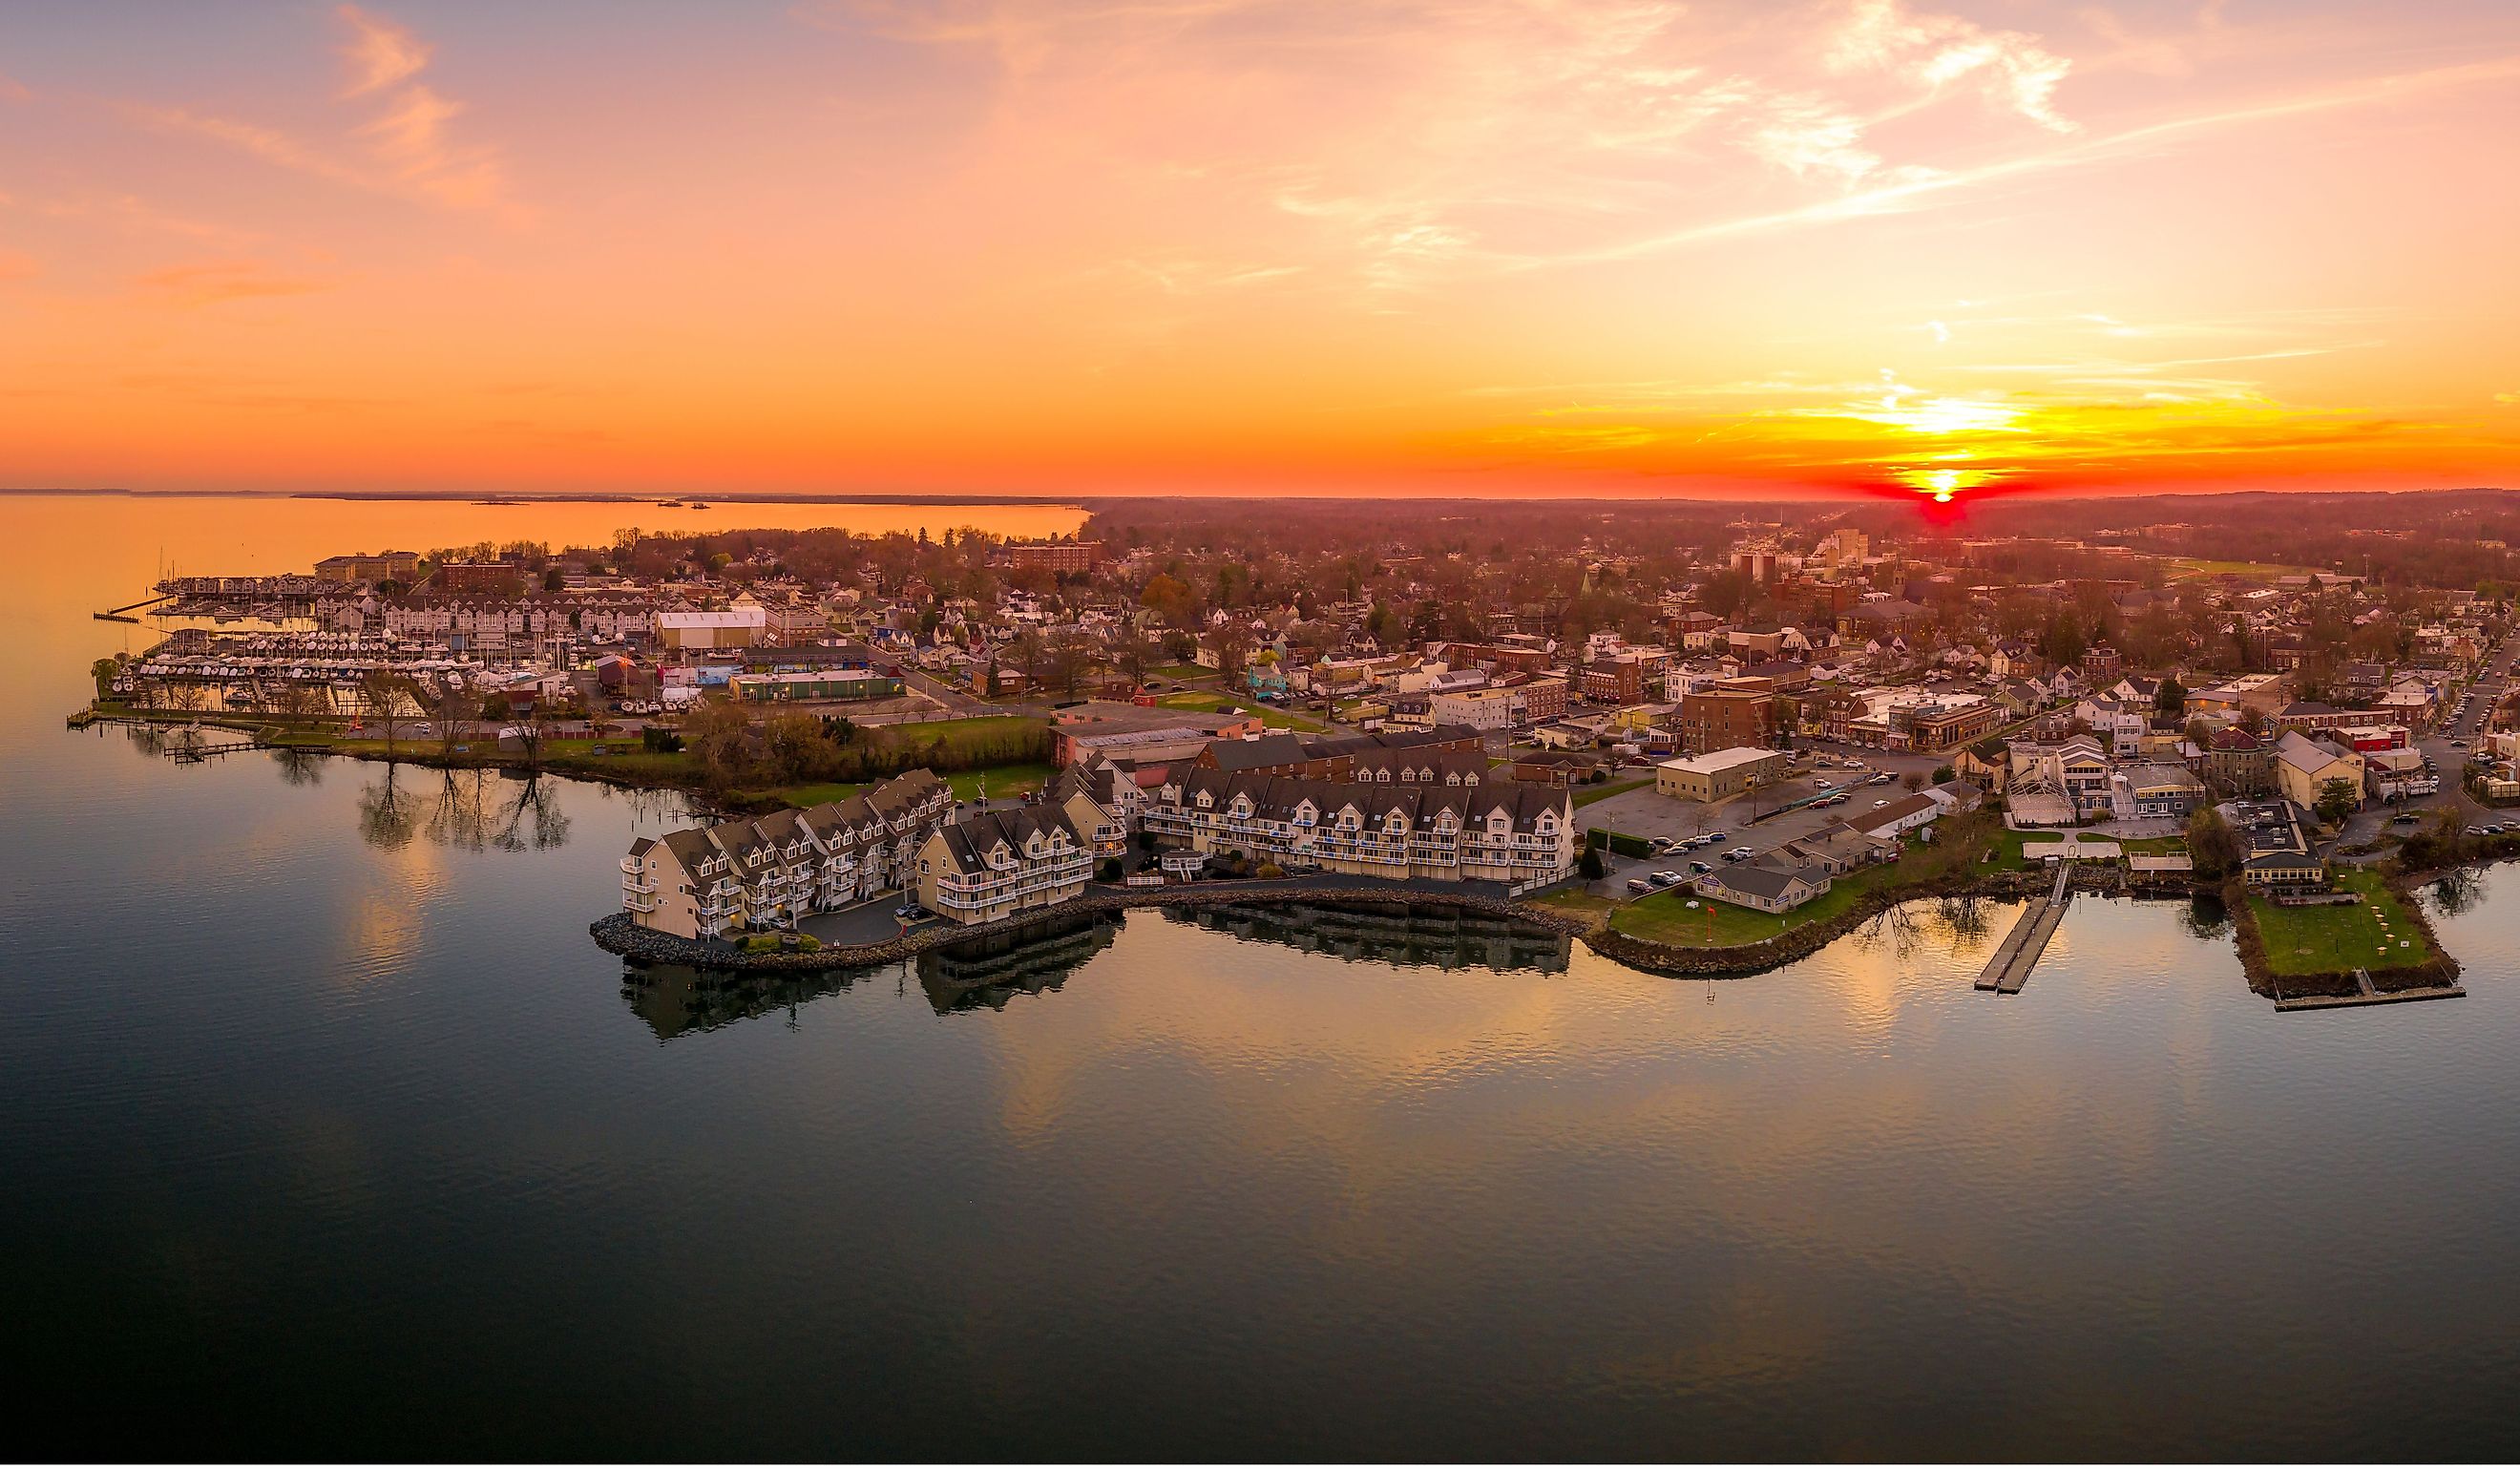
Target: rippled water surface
[{"x": 329, "y": 1133}]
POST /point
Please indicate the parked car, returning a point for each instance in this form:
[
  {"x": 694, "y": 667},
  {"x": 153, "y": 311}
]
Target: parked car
[
  {"x": 1700, "y": 865},
  {"x": 1639, "y": 886},
  {"x": 1736, "y": 855},
  {"x": 1665, "y": 877},
  {"x": 911, "y": 913},
  {"x": 1879, "y": 779},
  {"x": 1712, "y": 837}
]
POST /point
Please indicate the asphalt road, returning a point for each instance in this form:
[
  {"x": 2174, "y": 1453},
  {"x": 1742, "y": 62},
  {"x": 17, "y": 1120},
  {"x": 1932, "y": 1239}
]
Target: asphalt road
[{"x": 2491, "y": 685}]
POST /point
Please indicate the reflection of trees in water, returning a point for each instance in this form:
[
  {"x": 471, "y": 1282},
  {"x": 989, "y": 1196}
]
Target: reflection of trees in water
[
  {"x": 468, "y": 811},
  {"x": 459, "y": 818},
  {"x": 2457, "y": 891},
  {"x": 298, "y": 768},
  {"x": 1966, "y": 918},
  {"x": 1952, "y": 923},
  {"x": 532, "y": 817},
  {"x": 147, "y": 740},
  {"x": 389, "y": 813},
  {"x": 2205, "y": 918},
  {"x": 1896, "y": 929}
]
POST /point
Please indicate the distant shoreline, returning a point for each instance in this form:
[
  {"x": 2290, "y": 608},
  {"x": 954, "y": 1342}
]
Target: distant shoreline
[{"x": 1098, "y": 501}]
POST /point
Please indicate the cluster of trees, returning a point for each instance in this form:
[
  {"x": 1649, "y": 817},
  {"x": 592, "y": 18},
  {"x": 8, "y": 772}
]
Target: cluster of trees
[{"x": 795, "y": 747}]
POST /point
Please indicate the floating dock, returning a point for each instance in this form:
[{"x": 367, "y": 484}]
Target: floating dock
[{"x": 2009, "y": 967}]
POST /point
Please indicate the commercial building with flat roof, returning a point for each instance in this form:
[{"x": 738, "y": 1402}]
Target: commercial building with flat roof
[{"x": 1720, "y": 774}]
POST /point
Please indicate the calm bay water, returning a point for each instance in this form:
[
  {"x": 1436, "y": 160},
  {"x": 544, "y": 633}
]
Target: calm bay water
[{"x": 327, "y": 1132}]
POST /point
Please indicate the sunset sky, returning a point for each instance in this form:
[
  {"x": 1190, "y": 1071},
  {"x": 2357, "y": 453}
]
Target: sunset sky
[{"x": 1457, "y": 246}]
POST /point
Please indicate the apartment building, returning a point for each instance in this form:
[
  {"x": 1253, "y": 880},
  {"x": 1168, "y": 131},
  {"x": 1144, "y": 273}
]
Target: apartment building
[
  {"x": 1729, "y": 714},
  {"x": 997, "y": 865},
  {"x": 1490, "y": 709},
  {"x": 1502, "y": 831},
  {"x": 362, "y": 566},
  {"x": 1057, "y": 557},
  {"x": 767, "y": 873}
]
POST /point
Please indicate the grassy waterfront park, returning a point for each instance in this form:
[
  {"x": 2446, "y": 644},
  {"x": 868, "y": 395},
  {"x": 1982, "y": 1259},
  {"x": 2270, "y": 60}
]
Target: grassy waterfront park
[{"x": 2375, "y": 933}]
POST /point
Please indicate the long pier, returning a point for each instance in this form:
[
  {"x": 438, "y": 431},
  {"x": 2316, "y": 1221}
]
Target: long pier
[
  {"x": 123, "y": 613},
  {"x": 2009, "y": 967}
]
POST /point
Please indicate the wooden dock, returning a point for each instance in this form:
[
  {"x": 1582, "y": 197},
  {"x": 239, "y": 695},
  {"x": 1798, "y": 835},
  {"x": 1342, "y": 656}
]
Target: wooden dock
[
  {"x": 123, "y": 613},
  {"x": 2009, "y": 967}
]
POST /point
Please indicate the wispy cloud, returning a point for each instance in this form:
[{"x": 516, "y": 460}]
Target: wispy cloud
[
  {"x": 380, "y": 53},
  {"x": 407, "y": 149},
  {"x": 1936, "y": 52}
]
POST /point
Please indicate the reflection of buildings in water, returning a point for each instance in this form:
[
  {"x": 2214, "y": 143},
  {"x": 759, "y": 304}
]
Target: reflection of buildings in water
[
  {"x": 673, "y": 999},
  {"x": 1401, "y": 934},
  {"x": 992, "y": 971}
]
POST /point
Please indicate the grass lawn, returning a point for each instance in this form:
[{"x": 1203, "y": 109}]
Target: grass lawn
[
  {"x": 1667, "y": 917},
  {"x": 2194, "y": 567},
  {"x": 1217, "y": 704},
  {"x": 1607, "y": 789},
  {"x": 1178, "y": 672},
  {"x": 2007, "y": 845},
  {"x": 958, "y": 730},
  {"x": 1573, "y": 901},
  {"x": 2154, "y": 847},
  {"x": 2335, "y": 938},
  {"x": 1012, "y": 780}
]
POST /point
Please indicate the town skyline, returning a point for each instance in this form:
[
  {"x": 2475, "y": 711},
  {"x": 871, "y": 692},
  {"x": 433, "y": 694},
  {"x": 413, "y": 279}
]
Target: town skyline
[{"x": 1208, "y": 247}]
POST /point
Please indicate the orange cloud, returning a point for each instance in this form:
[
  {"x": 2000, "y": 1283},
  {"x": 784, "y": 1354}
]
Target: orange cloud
[{"x": 380, "y": 52}]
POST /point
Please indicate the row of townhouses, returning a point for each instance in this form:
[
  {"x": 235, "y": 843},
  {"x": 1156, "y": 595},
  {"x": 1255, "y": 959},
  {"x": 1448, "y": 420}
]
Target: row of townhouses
[
  {"x": 1502, "y": 831},
  {"x": 760, "y": 874}
]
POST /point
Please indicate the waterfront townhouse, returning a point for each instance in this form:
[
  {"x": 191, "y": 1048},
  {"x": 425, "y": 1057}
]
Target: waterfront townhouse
[
  {"x": 1096, "y": 801},
  {"x": 767, "y": 873},
  {"x": 1500, "y": 830},
  {"x": 997, "y": 865}
]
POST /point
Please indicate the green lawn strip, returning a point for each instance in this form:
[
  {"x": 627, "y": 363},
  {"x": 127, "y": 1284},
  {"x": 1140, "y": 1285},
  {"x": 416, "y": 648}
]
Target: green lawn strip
[
  {"x": 1019, "y": 779},
  {"x": 2322, "y": 939},
  {"x": 1588, "y": 795},
  {"x": 1211, "y": 703},
  {"x": 1666, "y": 917},
  {"x": 2153, "y": 847},
  {"x": 2007, "y": 850},
  {"x": 1573, "y": 902},
  {"x": 1181, "y": 672}
]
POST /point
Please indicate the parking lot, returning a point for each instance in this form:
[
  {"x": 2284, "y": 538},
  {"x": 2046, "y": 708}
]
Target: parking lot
[{"x": 1755, "y": 820}]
